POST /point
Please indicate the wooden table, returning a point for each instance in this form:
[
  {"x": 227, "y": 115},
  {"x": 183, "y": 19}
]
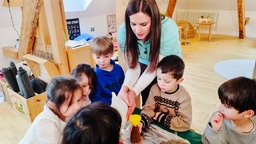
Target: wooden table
[{"x": 200, "y": 25}]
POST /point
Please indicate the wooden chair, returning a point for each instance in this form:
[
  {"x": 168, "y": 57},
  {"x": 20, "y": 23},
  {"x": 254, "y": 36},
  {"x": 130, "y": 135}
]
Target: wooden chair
[{"x": 188, "y": 30}]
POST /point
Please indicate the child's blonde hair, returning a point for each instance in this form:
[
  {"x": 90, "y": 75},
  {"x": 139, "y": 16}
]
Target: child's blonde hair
[{"x": 102, "y": 45}]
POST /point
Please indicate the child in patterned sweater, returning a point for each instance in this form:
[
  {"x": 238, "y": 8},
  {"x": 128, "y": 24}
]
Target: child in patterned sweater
[{"x": 168, "y": 103}]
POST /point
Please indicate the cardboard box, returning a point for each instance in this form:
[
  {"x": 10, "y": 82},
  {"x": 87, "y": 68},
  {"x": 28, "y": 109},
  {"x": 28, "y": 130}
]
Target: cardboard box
[{"x": 27, "y": 108}]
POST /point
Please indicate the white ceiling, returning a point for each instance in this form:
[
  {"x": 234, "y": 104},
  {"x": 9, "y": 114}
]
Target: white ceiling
[{"x": 77, "y": 5}]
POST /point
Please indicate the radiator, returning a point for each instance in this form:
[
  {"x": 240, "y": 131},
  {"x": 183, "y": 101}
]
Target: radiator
[{"x": 193, "y": 15}]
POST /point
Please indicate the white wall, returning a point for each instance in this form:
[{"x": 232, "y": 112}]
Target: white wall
[
  {"x": 8, "y": 35},
  {"x": 227, "y": 23},
  {"x": 94, "y": 16},
  {"x": 98, "y": 22},
  {"x": 7, "y": 38},
  {"x": 96, "y": 13}
]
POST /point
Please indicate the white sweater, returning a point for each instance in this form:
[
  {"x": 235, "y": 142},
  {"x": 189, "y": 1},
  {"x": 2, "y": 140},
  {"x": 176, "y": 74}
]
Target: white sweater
[{"x": 47, "y": 128}]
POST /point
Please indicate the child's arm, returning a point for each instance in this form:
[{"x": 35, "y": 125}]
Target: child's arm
[
  {"x": 181, "y": 119},
  {"x": 148, "y": 112},
  {"x": 212, "y": 135}
]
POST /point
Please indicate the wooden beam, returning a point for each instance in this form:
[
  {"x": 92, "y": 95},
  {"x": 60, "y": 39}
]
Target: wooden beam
[
  {"x": 64, "y": 20},
  {"x": 30, "y": 16},
  {"x": 55, "y": 20},
  {"x": 171, "y": 7},
  {"x": 13, "y": 3},
  {"x": 43, "y": 29},
  {"x": 10, "y": 52},
  {"x": 241, "y": 18}
]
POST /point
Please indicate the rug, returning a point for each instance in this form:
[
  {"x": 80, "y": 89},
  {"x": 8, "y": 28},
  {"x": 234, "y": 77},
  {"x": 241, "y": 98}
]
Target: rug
[{"x": 229, "y": 69}]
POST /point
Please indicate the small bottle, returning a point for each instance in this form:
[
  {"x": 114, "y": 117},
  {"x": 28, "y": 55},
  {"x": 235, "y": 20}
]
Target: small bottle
[
  {"x": 10, "y": 78},
  {"x": 13, "y": 68},
  {"x": 24, "y": 83}
]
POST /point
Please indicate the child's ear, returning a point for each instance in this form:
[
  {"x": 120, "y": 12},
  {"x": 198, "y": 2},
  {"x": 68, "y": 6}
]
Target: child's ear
[
  {"x": 249, "y": 113},
  {"x": 180, "y": 80}
]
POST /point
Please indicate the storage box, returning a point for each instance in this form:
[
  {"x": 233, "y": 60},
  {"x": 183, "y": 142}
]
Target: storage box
[
  {"x": 4, "y": 87},
  {"x": 30, "y": 108},
  {"x": 78, "y": 55},
  {"x": 27, "y": 108}
]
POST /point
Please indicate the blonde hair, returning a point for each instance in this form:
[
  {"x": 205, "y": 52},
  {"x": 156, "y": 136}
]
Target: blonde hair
[{"x": 102, "y": 45}]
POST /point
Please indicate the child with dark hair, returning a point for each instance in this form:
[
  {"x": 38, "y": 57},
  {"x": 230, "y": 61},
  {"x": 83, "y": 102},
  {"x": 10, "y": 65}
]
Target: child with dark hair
[
  {"x": 232, "y": 123},
  {"x": 110, "y": 76},
  {"x": 64, "y": 99},
  {"x": 97, "y": 123},
  {"x": 168, "y": 103},
  {"x": 86, "y": 76}
]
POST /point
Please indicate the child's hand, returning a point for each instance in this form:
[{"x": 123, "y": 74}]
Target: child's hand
[
  {"x": 156, "y": 115},
  {"x": 140, "y": 125},
  {"x": 216, "y": 121}
]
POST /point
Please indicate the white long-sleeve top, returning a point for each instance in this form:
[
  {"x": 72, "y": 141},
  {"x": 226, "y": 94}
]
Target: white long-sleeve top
[{"x": 47, "y": 128}]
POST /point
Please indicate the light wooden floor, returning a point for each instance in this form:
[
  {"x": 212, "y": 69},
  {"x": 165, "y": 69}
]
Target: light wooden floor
[
  {"x": 200, "y": 80},
  {"x": 12, "y": 125}
]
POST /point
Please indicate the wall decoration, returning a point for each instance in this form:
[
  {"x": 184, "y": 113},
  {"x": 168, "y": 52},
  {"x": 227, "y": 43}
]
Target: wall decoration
[
  {"x": 111, "y": 22},
  {"x": 73, "y": 28}
]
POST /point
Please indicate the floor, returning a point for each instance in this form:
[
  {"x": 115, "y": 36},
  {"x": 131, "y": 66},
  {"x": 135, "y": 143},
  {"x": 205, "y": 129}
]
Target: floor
[
  {"x": 200, "y": 80},
  {"x": 12, "y": 125}
]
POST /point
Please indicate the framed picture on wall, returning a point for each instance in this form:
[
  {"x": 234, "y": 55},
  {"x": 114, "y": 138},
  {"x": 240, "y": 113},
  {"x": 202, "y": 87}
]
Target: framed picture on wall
[
  {"x": 111, "y": 22},
  {"x": 73, "y": 28}
]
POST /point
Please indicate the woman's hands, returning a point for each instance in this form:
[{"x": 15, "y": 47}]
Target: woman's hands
[
  {"x": 216, "y": 121},
  {"x": 123, "y": 93},
  {"x": 129, "y": 97}
]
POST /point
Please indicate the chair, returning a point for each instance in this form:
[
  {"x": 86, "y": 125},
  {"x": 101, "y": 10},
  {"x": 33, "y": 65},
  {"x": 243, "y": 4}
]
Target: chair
[{"x": 188, "y": 30}]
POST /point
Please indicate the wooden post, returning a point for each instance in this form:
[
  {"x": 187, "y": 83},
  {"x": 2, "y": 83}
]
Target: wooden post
[
  {"x": 30, "y": 17},
  {"x": 171, "y": 7},
  {"x": 241, "y": 19},
  {"x": 13, "y": 3},
  {"x": 43, "y": 29},
  {"x": 55, "y": 21}
]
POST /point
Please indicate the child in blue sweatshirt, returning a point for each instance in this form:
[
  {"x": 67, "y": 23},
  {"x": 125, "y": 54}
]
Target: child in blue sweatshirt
[{"x": 110, "y": 76}]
